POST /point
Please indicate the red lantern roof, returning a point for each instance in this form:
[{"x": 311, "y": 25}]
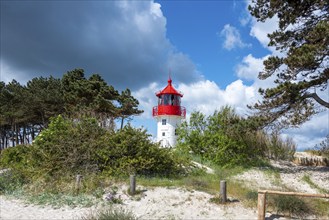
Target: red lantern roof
[{"x": 169, "y": 90}]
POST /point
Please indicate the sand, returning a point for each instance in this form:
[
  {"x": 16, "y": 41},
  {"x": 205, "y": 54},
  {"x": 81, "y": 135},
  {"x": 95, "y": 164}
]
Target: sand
[{"x": 156, "y": 203}]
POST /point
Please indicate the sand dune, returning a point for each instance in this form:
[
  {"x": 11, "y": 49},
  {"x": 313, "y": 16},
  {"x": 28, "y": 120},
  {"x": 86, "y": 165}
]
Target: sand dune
[{"x": 180, "y": 203}]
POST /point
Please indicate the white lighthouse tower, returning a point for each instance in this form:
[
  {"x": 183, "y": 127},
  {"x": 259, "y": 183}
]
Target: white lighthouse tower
[{"x": 169, "y": 114}]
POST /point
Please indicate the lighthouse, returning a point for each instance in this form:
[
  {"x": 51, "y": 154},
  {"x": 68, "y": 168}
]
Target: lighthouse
[{"x": 169, "y": 114}]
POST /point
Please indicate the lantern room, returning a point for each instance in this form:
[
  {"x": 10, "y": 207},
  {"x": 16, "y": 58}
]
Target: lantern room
[{"x": 169, "y": 102}]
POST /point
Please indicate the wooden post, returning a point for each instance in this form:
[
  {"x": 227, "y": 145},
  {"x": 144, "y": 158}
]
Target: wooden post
[
  {"x": 132, "y": 184},
  {"x": 222, "y": 192},
  {"x": 78, "y": 182},
  {"x": 261, "y": 205}
]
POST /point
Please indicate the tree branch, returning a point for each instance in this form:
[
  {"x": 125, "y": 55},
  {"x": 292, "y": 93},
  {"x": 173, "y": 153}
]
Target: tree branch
[{"x": 317, "y": 99}]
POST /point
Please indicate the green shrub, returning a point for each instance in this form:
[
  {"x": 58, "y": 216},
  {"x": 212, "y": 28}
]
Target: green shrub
[
  {"x": 70, "y": 147},
  {"x": 10, "y": 181},
  {"x": 15, "y": 157},
  {"x": 229, "y": 140},
  {"x": 15, "y": 164},
  {"x": 131, "y": 151},
  {"x": 252, "y": 195},
  {"x": 67, "y": 147},
  {"x": 224, "y": 138}
]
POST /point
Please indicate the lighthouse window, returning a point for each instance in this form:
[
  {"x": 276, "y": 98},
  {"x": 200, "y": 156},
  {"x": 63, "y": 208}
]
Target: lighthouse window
[
  {"x": 163, "y": 133},
  {"x": 166, "y": 99},
  {"x": 164, "y": 121}
]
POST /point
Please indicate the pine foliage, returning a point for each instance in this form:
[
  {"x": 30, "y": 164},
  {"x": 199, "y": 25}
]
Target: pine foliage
[{"x": 301, "y": 70}]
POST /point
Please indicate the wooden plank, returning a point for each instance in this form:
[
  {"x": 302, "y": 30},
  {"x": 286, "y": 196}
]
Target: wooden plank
[{"x": 294, "y": 194}]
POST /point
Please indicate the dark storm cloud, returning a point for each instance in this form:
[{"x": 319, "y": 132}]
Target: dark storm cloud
[{"x": 125, "y": 42}]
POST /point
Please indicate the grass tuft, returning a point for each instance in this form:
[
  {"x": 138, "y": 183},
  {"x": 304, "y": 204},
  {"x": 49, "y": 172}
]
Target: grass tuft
[
  {"x": 289, "y": 205},
  {"x": 111, "y": 214}
]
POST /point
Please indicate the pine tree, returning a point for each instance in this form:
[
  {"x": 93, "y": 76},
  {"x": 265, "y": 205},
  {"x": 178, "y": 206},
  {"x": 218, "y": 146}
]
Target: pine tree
[
  {"x": 302, "y": 69},
  {"x": 128, "y": 106}
]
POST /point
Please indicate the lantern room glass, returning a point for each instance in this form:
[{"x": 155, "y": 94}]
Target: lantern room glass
[{"x": 169, "y": 99}]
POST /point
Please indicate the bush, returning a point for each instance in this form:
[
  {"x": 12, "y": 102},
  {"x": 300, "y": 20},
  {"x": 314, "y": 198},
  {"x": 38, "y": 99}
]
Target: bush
[
  {"x": 321, "y": 149},
  {"x": 15, "y": 164},
  {"x": 131, "y": 151},
  {"x": 69, "y": 147},
  {"x": 15, "y": 157},
  {"x": 10, "y": 181},
  {"x": 280, "y": 149},
  {"x": 229, "y": 140},
  {"x": 224, "y": 138}
]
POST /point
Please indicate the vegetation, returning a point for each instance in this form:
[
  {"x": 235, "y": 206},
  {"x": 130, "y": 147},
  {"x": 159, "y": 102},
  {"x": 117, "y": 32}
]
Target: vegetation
[
  {"x": 228, "y": 139},
  {"x": 302, "y": 67},
  {"x": 308, "y": 180},
  {"x": 321, "y": 149},
  {"x": 25, "y": 110},
  {"x": 81, "y": 147},
  {"x": 111, "y": 214},
  {"x": 289, "y": 205}
]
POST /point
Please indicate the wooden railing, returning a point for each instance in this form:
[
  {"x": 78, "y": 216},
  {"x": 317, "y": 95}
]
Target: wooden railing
[{"x": 261, "y": 206}]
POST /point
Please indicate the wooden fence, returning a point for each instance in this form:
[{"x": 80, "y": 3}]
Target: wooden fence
[{"x": 262, "y": 199}]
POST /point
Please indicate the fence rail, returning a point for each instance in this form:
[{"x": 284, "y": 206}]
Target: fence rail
[{"x": 261, "y": 205}]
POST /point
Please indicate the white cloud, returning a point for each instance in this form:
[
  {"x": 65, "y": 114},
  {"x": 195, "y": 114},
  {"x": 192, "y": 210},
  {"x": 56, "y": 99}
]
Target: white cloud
[
  {"x": 232, "y": 38},
  {"x": 250, "y": 67},
  {"x": 147, "y": 99},
  {"x": 260, "y": 30},
  {"x": 245, "y": 19},
  {"x": 311, "y": 132}
]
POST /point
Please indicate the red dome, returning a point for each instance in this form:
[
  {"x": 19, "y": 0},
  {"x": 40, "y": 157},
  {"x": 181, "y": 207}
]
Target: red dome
[{"x": 169, "y": 90}]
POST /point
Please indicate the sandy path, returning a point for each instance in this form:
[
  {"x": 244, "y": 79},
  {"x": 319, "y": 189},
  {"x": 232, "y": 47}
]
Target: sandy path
[{"x": 15, "y": 209}]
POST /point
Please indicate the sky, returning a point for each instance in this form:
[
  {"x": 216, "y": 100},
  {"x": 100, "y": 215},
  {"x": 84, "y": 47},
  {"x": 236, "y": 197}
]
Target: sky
[{"x": 213, "y": 51}]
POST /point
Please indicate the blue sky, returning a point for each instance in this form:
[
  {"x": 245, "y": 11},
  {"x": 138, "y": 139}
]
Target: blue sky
[{"x": 213, "y": 49}]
